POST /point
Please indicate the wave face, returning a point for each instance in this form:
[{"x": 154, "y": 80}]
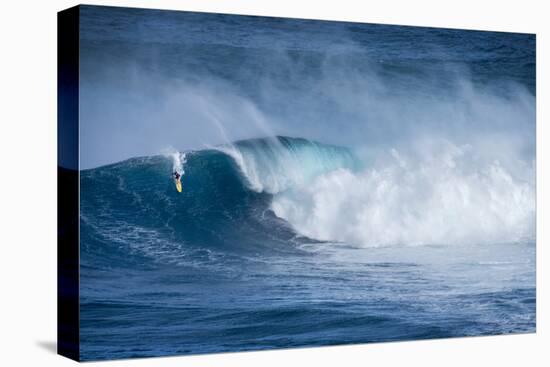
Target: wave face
[
  {"x": 134, "y": 205},
  {"x": 225, "y": 203}
]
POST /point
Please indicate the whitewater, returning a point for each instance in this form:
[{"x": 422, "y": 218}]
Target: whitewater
[{"x": 428, "y": 197}]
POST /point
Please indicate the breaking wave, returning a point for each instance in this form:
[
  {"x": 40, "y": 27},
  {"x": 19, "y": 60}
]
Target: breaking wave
[{"x": 271, "y": 193}]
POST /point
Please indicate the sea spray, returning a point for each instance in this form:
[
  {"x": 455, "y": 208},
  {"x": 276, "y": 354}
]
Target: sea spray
[
  {"x": 449, "y": 198},
  {"x": 178, "y": 159}
]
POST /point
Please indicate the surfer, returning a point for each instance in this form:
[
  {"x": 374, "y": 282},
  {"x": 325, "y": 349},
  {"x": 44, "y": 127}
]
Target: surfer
[{"x": 177, "y": 180}]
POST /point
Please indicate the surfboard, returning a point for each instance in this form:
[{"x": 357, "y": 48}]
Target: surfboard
[{"x": 178, "y": 185}]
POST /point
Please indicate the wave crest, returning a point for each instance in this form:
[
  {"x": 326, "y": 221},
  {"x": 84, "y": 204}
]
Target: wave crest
[{"x": 279, "y": 163}]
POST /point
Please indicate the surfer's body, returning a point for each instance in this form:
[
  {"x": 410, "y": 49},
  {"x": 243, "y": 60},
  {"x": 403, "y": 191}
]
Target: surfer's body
[{"x": 177, "y": 180}]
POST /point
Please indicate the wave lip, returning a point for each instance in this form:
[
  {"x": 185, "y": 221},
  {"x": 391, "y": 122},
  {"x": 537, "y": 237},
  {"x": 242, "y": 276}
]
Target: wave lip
[{"x": 276, "y": 164}]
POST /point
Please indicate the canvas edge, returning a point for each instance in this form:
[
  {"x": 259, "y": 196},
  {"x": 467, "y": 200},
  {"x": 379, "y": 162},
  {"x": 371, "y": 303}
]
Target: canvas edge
[{"x": 68, "y": 328}]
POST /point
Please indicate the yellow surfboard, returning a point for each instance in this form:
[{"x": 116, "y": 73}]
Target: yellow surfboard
[{"x": 178, "y": 185}]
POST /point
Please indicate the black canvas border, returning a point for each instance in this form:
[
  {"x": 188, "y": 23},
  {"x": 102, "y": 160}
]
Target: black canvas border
[{"x": 68, "y": 238}]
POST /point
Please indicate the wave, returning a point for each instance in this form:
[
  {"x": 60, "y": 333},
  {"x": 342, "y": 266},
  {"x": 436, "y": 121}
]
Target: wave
[
  {"x": 273, "y": 193},
  {"x": 439, "y": 194},
  {"x": 133, "y": 206}
]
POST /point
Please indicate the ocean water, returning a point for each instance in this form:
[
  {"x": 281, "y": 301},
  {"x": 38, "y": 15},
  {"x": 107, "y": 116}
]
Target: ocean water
[{"x": 342, "y": 183}]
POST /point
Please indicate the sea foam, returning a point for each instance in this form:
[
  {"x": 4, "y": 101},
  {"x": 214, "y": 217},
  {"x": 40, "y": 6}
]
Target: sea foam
[{"x": 432, "y": 192}]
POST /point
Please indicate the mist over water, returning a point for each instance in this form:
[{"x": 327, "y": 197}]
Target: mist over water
[{"x": 335, "y": 85}]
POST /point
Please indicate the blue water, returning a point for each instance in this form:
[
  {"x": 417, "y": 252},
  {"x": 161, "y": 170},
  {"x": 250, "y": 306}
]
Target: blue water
[{"x": 312, "y": 239}]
